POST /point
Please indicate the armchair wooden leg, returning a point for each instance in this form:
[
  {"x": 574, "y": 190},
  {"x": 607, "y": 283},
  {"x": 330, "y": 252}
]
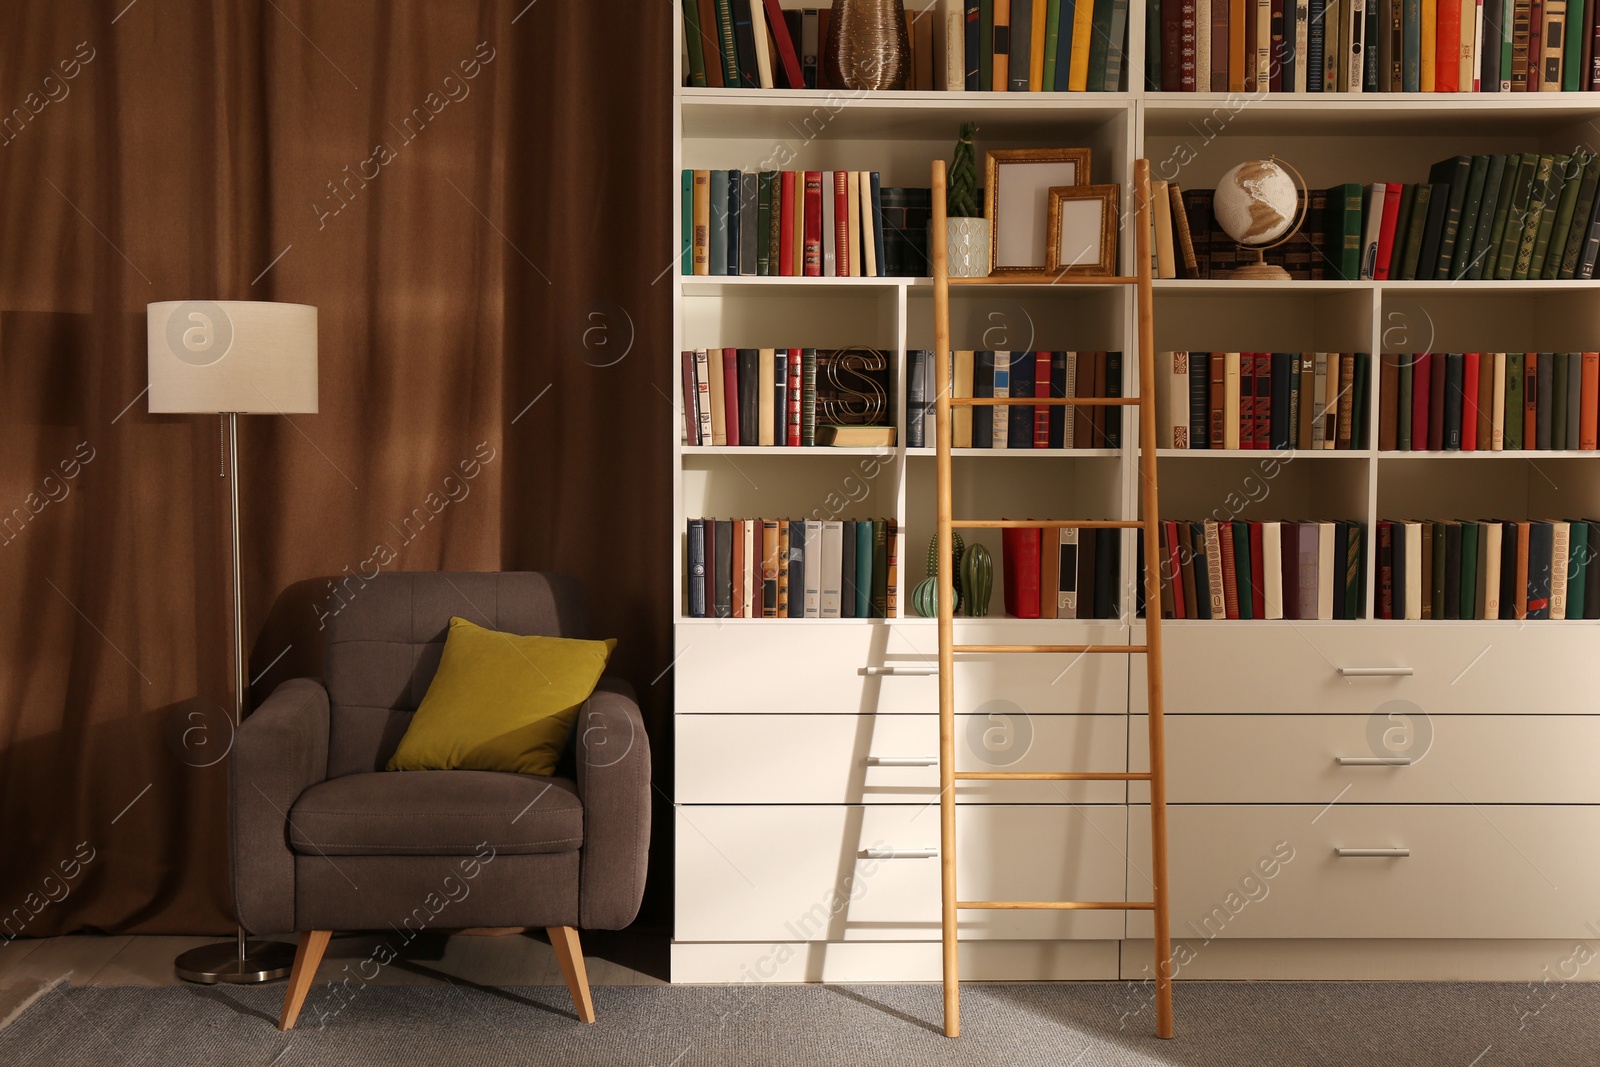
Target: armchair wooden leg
[
  {"x": 564, "y": 939},
  {"x": 307, "y": 955}
]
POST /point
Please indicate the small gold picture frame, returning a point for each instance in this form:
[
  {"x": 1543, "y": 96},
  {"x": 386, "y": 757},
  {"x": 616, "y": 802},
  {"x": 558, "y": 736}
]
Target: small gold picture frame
[
  {"x": 1083, "y": 229},
  {"x": 1016, "y": 189}
]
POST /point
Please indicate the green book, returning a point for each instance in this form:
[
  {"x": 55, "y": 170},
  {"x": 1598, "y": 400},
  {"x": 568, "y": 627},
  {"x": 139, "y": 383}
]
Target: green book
[
  {"x": 1476, "y": 267},
  {"x": 880, "y": 569},
  {"x": 1241, "y": 566},
  {"x": 1502, "y": 214},
  {"x": 1555, "y": 249},
  {"x": 1437, "y": 579},
  {"x": 1477, "y": 176},
  {"x": 1359, "y": 420},
  {"x": 1355, "y": 572},
  {"x": 1513, "y": 418},
  {"x": 1581, "y": 214},
  {"x": 1516, "y": 216},
  {"x": 1344, "y": 230},
  {"x": 985, "y": 45},
  {"x": 1555, "y": 192},
  {"x": 692, "y": 44},
  {"x": 863, "y": 569},
  {"x": 1573, "y": 75},
  {"x": 1099, "y": 40},
  {"x": 1402, "y": 229},
  {"x": 686, "y": 223},
  {"x": 775, "y": 222},
  {"x": 1578, "y": 564},
  {"x": 1507, "y": 26},
  {"x": 1469, "y": 571},
  {"x": 1052, "y": 32},
  {"x": 1538, "y": 193},
  {"x": 764, "y": 222},
  {"x": 1455, "y": 170},
  {"x": 1414, "y": 230},
  {"x": 1402, "y": 438},
  {"x": 1558, "y": 398}
]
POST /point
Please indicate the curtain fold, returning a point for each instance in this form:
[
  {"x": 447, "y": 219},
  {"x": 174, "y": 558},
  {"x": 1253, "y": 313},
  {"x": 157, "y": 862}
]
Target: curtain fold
[{"x": 475, "y": 197}]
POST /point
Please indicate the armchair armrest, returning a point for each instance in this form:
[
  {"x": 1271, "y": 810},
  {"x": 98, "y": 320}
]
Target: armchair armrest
[
  {"x": 614, "y": 786},
  {"x": 280, "y": 750}
]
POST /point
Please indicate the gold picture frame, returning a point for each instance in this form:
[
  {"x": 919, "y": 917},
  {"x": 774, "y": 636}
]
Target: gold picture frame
[
  {"x": 1015, "y": 201},
  {"x": 1082, "y": 238}
]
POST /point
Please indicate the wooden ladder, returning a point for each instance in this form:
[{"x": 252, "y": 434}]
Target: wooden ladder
[{"x": 1151, "y": 649}]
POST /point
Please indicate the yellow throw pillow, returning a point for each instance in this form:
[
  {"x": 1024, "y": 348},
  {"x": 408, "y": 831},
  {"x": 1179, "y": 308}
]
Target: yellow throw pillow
[{"x": 500, "y": 702}]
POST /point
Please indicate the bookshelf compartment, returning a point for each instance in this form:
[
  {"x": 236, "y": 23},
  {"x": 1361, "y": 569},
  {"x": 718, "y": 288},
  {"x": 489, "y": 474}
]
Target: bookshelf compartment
[
  {"x": 850, "y": 759},
  {"x": 1056, "y": 318},
  {"x": 1513, "y": 888},
  {"x": 1497, "y": 485},
  {"x": 1267, "y": 486},
  {"x": 1292, "y": 759},
  {"x": 791, "y": 857},
  {"x": 1496, "y": 317},
  {"x": 742, "y": 485},
  {"x": 793, "y": 315},
  {"x": 1214, "y": 317}
]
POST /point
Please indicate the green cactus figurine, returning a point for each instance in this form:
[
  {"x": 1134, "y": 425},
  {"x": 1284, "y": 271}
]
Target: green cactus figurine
[
  {"x": 961, "y": 186},
  {"x": 977, "y": 580},
  {"x": 925, "y": 597}
]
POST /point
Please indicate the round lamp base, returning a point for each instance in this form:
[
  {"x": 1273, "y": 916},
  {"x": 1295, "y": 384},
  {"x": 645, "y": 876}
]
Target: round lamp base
[
  {"x": 264, "y": 961},
  {"x": 1259, "y": 272}
]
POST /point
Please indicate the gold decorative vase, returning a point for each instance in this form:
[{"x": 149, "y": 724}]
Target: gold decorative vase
[{"x": 867, "y": 46}]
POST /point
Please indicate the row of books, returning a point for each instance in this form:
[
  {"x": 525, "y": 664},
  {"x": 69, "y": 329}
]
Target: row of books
[
  {"x": 792, "y": 568},
  {"x": 1489, "y": 401},
  {"x": 971, "y": 45},
  {"x": 802, "y": 223},
  {"x": 983, "y": 373},
  {"x": 1488, "y": 570},
  {"x": 774, "y": 396},
  {"x": 1061, "y": 574},
  {"x": 1236, "y": 569},
  {"x": 1263, "y": 399},
  {"x": 1372, "y": 46}
]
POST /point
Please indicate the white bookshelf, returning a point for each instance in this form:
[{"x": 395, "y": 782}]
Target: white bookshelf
[{"x": 755, "y": 690}]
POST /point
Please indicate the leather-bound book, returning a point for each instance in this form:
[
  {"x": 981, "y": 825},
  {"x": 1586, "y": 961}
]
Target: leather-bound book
[
  {"x": 1049, "y": 571},
  {"x": 1021, "y": 571},
  {"x": 1226, "y": 572},
  {"x": 1469, "y": 402},
  {"x": 1541, "y": 557},
  {"x": 1436, "y": 403},
  {"x": 1107, "y": 572}
]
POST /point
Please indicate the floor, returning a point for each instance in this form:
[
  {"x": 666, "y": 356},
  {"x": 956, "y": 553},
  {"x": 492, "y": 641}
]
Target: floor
[{"x": 613, "y": 959}]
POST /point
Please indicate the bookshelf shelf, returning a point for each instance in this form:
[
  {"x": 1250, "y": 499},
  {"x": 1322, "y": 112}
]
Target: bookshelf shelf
[
  {"x": 1363, "y": 114},
  {"x": 1020, "y": 453},
  {"x": 699, "y": 452},
  {"x": 1294, "y": 455},
  {"x": 828, "y": 114},
  {"x": 1529, "y": 455}
]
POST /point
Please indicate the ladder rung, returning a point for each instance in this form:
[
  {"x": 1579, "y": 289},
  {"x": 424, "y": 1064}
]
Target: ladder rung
[
  {"x": 1060, "y": 649},
  {"x": 1055, "y": 776},
  {"x": 1058, "y": 905},
  {"x": 1047, "y": 278},
  {"x": 1047, "y": 524},
  {"x": 1045, "y": 401}
]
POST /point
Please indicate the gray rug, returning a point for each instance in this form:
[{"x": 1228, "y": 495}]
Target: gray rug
[{"x": 1220, "y": 1025}]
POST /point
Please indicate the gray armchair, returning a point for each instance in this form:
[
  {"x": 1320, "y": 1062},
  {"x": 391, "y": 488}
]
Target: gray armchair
[{"x": 325, "y": 839}]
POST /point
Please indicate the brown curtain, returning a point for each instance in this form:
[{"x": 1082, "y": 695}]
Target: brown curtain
[{"x": 475, "y": 197}]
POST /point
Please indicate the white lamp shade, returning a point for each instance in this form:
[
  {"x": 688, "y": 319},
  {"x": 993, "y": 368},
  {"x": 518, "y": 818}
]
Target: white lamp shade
[{"x": 248, "y": 356}]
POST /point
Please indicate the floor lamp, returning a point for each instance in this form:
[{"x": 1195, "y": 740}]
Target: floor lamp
[{"x": 233, "y": 357}]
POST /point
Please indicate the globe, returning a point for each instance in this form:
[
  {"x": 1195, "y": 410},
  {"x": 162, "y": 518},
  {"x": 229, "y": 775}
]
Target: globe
[{"x": 1256, "y": 202}]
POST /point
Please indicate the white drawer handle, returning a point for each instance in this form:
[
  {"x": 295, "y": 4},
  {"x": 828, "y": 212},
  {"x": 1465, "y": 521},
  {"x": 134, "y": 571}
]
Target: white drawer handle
[
  {"x": 916, "y": 670},
  {"x": 1373, "y": 853},
  {"x": 900, "y": 853},
  {"x": 1373, "y": 761},
  {"x": 902, "y": 761},
  {"x": 1376, "y": 672}
]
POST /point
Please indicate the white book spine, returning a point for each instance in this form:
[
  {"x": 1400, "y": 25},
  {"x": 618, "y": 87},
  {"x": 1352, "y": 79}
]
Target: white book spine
[
  {"x": 1230, "y": 400},
  {"x": 1202, "y": 43},
  {"x": 1263, "y": 57},
  {"x": 1497, "y": 432},
  {"x": 832, "y": 562},
  {"x": 1413, "y": 544},
  {"x": 1561, "y": 543},
  {"x": 952, "y": 19},
  {"x": 869, "y": 247},
  {"x": 752, "y": 578},
  {"x": 702, "y": 387},
  {"x": 1271, "y": 569},
  {"x": 1490, "y": 548},
  {"x": 1327, "y": 572},
  {"x": 830, "y": 258},
  {"x": 1174, "y": 405},
  {"x": 813, "y": 564},
  {"x": 1356, "y": 60},
  {"x": 1302, "y": 35},
  {"x": 1002, "y": 388},
  {"x": 1374, "y": 227},
  {"x": 758, "y": 26},
  {"x": 1471, "y": 45}
]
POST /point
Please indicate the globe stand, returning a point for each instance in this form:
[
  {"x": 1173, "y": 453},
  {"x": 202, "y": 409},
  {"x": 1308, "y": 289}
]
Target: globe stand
[{"x": 1259, "y": 271}]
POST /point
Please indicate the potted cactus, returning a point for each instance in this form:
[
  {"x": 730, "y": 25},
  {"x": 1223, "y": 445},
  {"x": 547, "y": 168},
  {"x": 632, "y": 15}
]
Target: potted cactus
[{"x": 966, "y": 230}]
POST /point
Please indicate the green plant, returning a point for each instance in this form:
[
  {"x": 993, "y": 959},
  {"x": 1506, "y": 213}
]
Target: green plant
[{"x": 961, "y": 184}]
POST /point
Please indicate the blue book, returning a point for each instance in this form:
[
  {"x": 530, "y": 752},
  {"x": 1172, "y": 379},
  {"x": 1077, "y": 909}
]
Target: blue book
[
  {"x": 1019, "y": 419},
  {"x": 697, "y": 568},
  {"x": 1021, "y": 44},
  {"x": 718, "y": 258},
  {"x": 916, "y": 399},
  {"x": 1064, "y": 46},
  {"x": 972, "y": 15},
  {"x": 1411, "y": 42},
  {"x": 733, "y": 223},
  {"x": 797, "y": 569},
  {"x": 780, "y": 399},
  {"x": 982, "y": 386}
]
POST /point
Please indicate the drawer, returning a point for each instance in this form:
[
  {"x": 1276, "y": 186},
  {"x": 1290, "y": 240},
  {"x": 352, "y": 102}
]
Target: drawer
[
  {"x": 798, "y": 873},
  {"x": 1293, "y": 759},
  {"x": 1486, "y": 871},
  {"x": 886, "y": 759},
  {"x": 1473, "y": 668},
  {"x": 835, "y": 668}
]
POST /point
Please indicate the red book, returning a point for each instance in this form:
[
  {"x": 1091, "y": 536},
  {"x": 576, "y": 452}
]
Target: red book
[
  {"x": 1041, "y": 388},
  {"x": 1258, "y": 579},
  {"x": 1386, "y": 570},
  {"x": 1230, "y": 572},
  {"x": 1589, "y": 404},
  {"x": 1174, "y": 570},
  {"x": 1530, "y": 400},
  {"x": 787, "y": 193},
  {"x": 793, "y": 396},
  {"x": 1421, "y": 375},
  {"x": 1020, "y": 546},
  {"x": 786, "y": 52},
  {"x": 1447, "y": 48},
  {"x": 841, "y": 223},
  {"x": 1391, "y": 217},
  {"x": 1290, "y": 556},
  {"x": 1247, "y": 400},
  {"x": 1263, "y": 434},
  {"x": 1469, "y": 402},
  {"x": 1535, "y": 53},
  {"x": 1436, "y": 403},
  {"x": 813, "y": 220},
  {"x": 730, "y": 393},
  {"x": 1171, "y": 45},
  {"x": 691, "y": 398}
]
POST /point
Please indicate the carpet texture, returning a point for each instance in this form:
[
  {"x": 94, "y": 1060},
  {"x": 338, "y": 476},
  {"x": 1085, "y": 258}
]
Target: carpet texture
[{"x": 1070, "y": 1025}]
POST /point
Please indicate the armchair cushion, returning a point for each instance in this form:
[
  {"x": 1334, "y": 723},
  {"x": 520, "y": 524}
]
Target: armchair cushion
[
  {"x": 436, "y": 813},
  {"x": 500, "y": 702}
]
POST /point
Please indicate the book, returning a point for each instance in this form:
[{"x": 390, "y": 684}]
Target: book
[{"x": 1020, "y": 566}]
